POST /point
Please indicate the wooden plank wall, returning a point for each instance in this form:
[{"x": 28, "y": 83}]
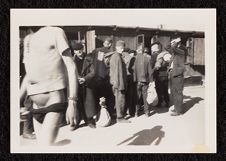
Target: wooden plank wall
[{"x": 199, "y": 51}]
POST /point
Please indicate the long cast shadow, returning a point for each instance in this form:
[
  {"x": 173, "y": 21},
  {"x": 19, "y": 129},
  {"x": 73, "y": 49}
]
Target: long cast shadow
[
  {"x": 146, "y": 137},
  {"x": 190, "y": 103}
]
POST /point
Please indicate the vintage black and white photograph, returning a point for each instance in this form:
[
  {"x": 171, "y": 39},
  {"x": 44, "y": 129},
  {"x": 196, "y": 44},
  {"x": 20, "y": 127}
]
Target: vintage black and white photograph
[{"x": 113, "y": 81}]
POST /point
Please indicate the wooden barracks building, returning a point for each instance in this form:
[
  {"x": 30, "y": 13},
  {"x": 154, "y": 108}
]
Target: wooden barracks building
[{"x": 93, "y": 36}]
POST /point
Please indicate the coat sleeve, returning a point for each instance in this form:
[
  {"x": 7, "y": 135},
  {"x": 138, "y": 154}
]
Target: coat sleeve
[
  {"x": 179, "y": 66},
  {"x": 158, "y": 63},
  {"x": 150, "y": 71},
  {"x": 90, "y": 75},
  {"x": 114, "y": 64},
  {"x": 131, "y": 65}
]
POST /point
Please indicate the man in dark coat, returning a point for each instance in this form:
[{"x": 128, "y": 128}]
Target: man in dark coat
[
  {"x": 130, "y": 104},
  {"x": 102, "y": 80},
  {"x": 160, "y": 74},
  {"x": 118, "y": 79},
  {"x": 86, "y": 100},
  {"x": 143, "y": 75},
  {"x": 178, "y": 51}
]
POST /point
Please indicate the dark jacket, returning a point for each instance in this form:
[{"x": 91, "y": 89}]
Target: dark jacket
[
  {"x": 87, "y": 104},
  {"x": 102, "y": 62},
  {"x": 118, "y": 72},
  {"x": 88, "y": 72},
  {"x": 143, "y": 70}
]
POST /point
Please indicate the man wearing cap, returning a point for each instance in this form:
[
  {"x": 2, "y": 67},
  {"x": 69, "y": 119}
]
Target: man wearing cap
[
  {"x": 129, "y": 61},
  {"x": 102, "y": 80},
  {"x": 143, "y": 75},
  {"x": 176, "y": 72},
  {"x": 86, "y": 101},
  {"x": 118, "y": 79}
]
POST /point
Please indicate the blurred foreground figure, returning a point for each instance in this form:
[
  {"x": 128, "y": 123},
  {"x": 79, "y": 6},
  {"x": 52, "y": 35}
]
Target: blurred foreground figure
[{"x": 50, "y": 70}]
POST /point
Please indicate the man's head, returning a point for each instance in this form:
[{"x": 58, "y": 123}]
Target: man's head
[
  {"x": 120, "y": 45},
  {"x": 78, "y": 49},
  {"x": 175, "y": 40},
  {"x": 155, "y": 47},
  {"x": 132, "y": 53},
  {"x": 107, "y": 43},
  {"x": 140, "y": 49}
]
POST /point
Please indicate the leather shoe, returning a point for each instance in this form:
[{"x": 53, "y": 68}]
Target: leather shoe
[
  {"x": 123, "y": 120},
  {"x": 147, "y": 114},
  {"x": 92, "y": 126},
  {"x": 175, "y": 114},
  {"x": 173, "y": 110},
  {"x": 29, "y": 136}
]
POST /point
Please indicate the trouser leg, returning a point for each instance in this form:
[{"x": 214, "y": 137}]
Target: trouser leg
[
  {"x": 177, "y": 87},
  {"x": 110, "y": 98},
  {"x": 138, "y": 98},
  {"x": 28, "y": 126},
  {"x": 129, "y": 96},
  {"x": 165, "y": 86},
  {"x": 119, "y": 103},
  {"x": 158, "y": 91},
  {"x": 144, "y": 94}
]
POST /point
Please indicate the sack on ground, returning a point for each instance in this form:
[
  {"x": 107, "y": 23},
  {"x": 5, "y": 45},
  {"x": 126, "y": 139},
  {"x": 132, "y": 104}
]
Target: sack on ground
[
  {"x": 152, "y": 97},
  {"x": 103, "y": 118}
]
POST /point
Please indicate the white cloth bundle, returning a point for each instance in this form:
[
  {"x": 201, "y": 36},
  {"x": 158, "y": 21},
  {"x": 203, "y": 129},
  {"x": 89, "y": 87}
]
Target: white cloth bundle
[
  {"x": 152, "y": 97},
  {"x": 103, "y": 118}
]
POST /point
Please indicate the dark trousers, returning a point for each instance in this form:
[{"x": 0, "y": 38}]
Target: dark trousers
[
  {"x": 86, "y": 104},
  {"x": 176, "y": 88},
  {"x": 80, "y": 105},
  {"x": 119, "y": 103},
  {"x": 130, "y": 95},
  {"x": 28, "y": 124},
  {"x": 161, "y": 85},
  {"x": 142, "y": 92},
  {"x": 103, "y": 88}
]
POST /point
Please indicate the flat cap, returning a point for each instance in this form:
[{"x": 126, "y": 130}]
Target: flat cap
[{"x": 120, "y": 43}]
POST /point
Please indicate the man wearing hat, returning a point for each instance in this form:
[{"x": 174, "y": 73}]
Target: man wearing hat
[
  {"x": 176, "y": 72},
  {"x": 118, "y": 79},
  {"x": 102, "y": 80},
  {"x": 86, "y": 100}
]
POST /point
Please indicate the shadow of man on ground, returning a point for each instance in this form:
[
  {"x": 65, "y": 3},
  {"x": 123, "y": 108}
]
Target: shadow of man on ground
[
  {"x": 187, "y": 105},
  {"x": 146, "y": 137}
]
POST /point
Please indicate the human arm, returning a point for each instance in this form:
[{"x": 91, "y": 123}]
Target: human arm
[{"x": 65, "y": 52}]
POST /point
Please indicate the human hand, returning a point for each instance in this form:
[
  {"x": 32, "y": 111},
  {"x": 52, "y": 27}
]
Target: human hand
[
  {"x": 71, "y": 113},
  {"x": 81, "y": 80}
]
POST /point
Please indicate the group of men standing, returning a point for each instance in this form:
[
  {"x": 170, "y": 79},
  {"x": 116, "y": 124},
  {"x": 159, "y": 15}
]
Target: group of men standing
[{"x": 120, "y": 75}]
